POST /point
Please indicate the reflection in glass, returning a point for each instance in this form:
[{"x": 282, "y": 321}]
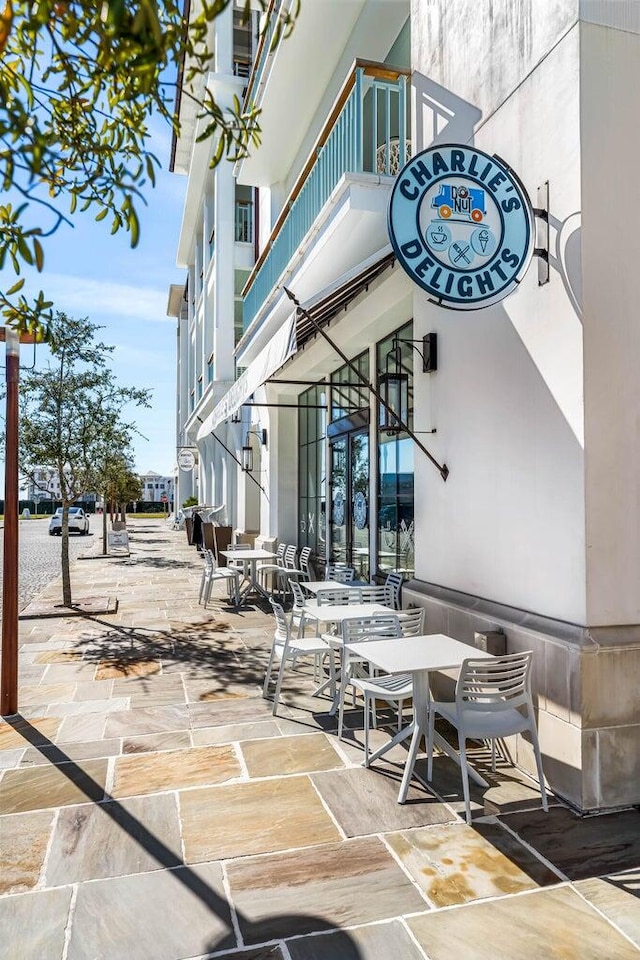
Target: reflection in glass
[
  {"x": 396, "y": 541},
  {"x": 360, "y": 485},
  {"x": 339, "y": 500},
  {"x": 312, "y": 428}
]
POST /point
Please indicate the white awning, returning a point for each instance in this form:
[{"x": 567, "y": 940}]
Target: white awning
[{"x": 270, "y": 359}]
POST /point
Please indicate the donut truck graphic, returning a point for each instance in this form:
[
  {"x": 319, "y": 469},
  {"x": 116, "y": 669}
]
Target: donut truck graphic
[
  {"x": 463, "y": 202},
  {"x": 461, "y": 225}
]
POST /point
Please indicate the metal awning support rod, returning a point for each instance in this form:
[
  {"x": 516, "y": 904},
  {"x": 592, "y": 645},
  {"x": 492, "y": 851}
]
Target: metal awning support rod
[
  {"x": 442, "y": 468},
  {"x": 288, "y": 406},
  {"x": 232, "y": 454},
  {"x": 315, "y": 383}
]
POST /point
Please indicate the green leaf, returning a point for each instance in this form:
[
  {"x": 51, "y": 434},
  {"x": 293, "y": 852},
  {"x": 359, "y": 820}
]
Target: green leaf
[
  {"x": 134, "y": 226},
  {"x": 39, "y": 254},
  {"x": 14, "y": 289}
]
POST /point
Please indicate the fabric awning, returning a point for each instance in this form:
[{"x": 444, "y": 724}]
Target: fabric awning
[{"x": 270, "y": 359}]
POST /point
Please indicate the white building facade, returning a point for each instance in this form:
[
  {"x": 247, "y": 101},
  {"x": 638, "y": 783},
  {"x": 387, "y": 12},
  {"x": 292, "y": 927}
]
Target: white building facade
[
  {"x": 45, "y": 485},
  {"x": 155, "y": 487},
  {"x": 534, "y": 402}
]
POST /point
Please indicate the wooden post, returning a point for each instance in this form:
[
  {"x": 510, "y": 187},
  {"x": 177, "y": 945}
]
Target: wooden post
[{"x": 9, "y": 679}]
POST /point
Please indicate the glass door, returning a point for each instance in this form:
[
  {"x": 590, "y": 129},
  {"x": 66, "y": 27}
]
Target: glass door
[
  {"x": 359, "y": 500},
  {"x": 350, "y": 501}
]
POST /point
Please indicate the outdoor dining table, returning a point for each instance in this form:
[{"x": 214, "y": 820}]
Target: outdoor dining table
[
  {"x": 336, "y": 613},
  {"x": 417, "y": 656},
  {"x": 250, "y": 582},
  {"x": 314, "y": 585}
]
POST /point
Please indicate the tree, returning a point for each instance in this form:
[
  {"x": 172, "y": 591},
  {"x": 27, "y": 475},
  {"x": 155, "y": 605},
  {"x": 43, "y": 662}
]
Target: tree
[
  {"x": 71, "y": 415},
  {"x": 115, "y": 477},
  {"x": 79, "y": 83},
  {"x": 123, "y": 485}
]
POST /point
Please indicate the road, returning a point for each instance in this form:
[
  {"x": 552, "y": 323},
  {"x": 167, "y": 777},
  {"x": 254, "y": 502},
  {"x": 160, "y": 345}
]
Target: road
[{"x": 40, "y": 556}]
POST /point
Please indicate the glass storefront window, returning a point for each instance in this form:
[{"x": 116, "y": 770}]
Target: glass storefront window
[
  {"x": 347, "y": 394},
  {"x": 312, "y": 430},
  {"x": 395, "y": 475}
]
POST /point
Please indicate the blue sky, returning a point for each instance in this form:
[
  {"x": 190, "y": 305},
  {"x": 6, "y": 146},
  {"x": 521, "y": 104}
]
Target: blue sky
[{"x": 88, "y": 272}]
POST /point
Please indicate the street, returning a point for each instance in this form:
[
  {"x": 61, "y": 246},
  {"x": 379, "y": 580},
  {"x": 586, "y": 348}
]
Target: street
[{"x": 40, "y": 556}]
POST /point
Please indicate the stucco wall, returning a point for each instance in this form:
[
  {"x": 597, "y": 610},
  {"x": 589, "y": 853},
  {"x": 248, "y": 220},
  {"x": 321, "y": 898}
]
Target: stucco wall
[
  {"x": 507, "y": 399},
  {"x": 611, "y": 249}
]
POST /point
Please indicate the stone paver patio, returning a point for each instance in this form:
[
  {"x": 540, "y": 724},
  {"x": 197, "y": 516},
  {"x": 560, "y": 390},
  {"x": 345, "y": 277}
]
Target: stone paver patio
[{"x": 152, "y": 808}]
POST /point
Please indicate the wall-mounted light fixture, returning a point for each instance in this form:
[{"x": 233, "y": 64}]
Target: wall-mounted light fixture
[
  {"x": 247, "y": 450},
  {"x": 236, "y": 416},
  {"x": 394, "y": 382},
  {"x": 394, "y": 390}
]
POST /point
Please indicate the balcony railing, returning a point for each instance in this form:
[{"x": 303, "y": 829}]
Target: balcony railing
[
  {"x": 366, "y": 128},
  {"x": 263, "y": 52}
]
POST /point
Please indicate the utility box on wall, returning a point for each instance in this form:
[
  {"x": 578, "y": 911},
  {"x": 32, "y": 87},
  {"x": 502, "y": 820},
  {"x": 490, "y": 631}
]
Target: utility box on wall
[{"x": 491, "y": 641}]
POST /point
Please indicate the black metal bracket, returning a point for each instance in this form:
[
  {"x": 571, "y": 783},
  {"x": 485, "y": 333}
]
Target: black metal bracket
[
  {"x": 429, "y": 352},
  {"x": 442, "y": 468},
  {"x": 541, "y": 251},
  {"x": 233, "y": 456}
]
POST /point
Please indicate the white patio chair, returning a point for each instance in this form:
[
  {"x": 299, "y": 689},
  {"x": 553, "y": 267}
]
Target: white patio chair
[
  {"x": 412, "y": 621},
  {"x": 305, "y": 562},
  {"x": 286, "y": 570},
  {"x": 286, "y": 647},
  {"x": 493, "y": 700},
  {"x": 341, "y": 574},
  {"x": 211, "y": 572},
  {"x": 298, "y": 621},
  {"x": 297, "y": 572},
  {"x": 355, "y": 630},
  {"x": 394, "y": 583},
  {"x": 394, "y": 689},
  {"x": 372, "y": 593},
  {"x": 298, "y": 611},
  {"x": 332, "y": 595},
  {"x": 274, "y": 568}
]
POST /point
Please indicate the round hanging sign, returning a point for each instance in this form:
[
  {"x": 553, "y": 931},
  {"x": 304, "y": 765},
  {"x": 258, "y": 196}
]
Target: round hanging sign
[
  {"x": 186, "y": 460},
  {"x": 338, "y": 509},
  {"x": 360, "y": 510},
  {"x": 461, "y": 225}
]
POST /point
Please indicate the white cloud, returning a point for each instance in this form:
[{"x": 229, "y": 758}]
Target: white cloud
[{"x": 82, "y": 296}]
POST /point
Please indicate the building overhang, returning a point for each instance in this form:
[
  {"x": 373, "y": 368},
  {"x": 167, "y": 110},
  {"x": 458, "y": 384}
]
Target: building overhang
[
  {"x": 365, "y": 308},
  {"x": 305, "y": 69},
  {"x": 350, "y": 229}
]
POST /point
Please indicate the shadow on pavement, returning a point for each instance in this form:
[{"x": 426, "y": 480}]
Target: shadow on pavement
[{"x": 273, "y": 927}]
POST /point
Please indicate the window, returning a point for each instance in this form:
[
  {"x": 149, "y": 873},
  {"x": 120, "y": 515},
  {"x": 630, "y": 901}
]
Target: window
[
  {"x": 395, "y": 476},
  {"x": 347, "y": 392},
  {"x": 312, "y": 429}
]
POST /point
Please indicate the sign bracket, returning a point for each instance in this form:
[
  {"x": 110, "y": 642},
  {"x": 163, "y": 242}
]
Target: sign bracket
[{"x": 541, "y": 251}]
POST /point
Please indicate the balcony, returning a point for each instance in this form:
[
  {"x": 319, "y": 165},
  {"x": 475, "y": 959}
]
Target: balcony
[{"x": 365, "y": 133}]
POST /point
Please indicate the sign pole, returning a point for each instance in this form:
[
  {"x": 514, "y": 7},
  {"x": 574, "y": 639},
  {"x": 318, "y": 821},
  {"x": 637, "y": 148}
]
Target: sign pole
[{"x": 9, "y": 680}]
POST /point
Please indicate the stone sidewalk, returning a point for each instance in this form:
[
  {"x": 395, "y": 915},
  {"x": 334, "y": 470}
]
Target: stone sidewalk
[{"x": 152, "y": 808}]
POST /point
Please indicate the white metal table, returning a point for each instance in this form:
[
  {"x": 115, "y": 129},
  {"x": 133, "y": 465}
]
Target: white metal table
[
  {"x": 417, "y": 656},
  {"x": 251, "y": 580},
  {"x": 314, "y": 585},
  {"x": 336, "y": 613}
]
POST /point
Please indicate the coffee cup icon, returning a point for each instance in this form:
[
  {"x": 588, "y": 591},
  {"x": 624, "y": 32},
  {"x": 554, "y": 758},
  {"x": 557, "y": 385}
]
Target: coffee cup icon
[{"x": 438, "y": 236}]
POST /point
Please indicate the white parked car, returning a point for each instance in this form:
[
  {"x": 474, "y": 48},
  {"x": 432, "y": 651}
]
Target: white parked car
[{"x": 78, "y": 521}]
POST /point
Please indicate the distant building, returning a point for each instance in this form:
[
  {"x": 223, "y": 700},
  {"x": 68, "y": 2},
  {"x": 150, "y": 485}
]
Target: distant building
[
  {"x": 45, "y": 485},
  {"x": 154, "y": 486}
]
